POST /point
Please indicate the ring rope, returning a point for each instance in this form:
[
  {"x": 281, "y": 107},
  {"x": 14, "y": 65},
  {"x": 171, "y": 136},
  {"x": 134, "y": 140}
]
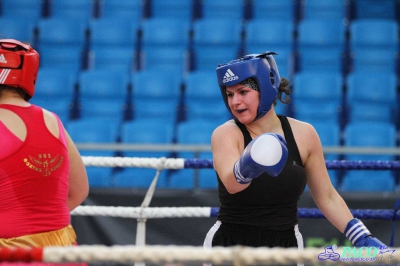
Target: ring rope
[
  {"x": 180, "y": 163},
  {"x": 237, "y": 255},
  {"x": 157, "y": 163},
  {"x": 202, "y": 212},
  {"x": 156, "y": 254}
]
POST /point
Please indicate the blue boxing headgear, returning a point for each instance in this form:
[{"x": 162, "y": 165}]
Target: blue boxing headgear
[{"x": 260, "y": 67}]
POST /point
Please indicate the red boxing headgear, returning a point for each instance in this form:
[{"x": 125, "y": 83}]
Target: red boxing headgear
[{"x": 19, "y": 65}]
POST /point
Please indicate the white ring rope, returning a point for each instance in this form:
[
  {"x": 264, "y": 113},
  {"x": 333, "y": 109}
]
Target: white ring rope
[
  {"x": 237, "y": 255},
  {"x": 139, "y": 212},
  {"x": 157, "y": 163}
]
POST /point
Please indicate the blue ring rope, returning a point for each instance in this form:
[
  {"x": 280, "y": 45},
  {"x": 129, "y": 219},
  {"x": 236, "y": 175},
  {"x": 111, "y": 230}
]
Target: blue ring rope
[{"x": 334, "y": 165}]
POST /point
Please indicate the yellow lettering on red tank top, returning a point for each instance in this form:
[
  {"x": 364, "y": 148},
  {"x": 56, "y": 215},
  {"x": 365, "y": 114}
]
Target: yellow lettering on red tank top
[{"x": 44, "y": 163}]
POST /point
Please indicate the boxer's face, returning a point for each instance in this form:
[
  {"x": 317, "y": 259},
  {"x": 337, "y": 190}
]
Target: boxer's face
[{"x": 243, "y": 102}]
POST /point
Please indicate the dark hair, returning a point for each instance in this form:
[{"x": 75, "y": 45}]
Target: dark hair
[
  {"x": 284, "y": 87},
  {"x": 19, "y": 91}
]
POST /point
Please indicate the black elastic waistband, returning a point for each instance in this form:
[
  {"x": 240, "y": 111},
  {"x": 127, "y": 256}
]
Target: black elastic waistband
[{"x": 251, "y": 229}]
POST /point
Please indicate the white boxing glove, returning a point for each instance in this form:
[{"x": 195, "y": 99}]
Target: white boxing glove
[{"x": 265, "y": 154}]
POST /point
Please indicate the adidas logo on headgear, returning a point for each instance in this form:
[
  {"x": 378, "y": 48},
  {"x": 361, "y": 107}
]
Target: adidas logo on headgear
[
  {"x": 229, "y": 76},
  {"x": 2, "y": 59}
]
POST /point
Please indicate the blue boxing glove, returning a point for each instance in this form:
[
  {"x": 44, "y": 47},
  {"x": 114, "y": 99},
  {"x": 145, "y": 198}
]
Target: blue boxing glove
[
  {"x": 360, "y": 236},
  {"x": 265, "y": 154}
]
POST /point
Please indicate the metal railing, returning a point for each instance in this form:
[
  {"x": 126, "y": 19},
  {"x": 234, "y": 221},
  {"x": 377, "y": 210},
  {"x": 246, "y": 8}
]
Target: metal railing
[{"x": 206, "y": 148}]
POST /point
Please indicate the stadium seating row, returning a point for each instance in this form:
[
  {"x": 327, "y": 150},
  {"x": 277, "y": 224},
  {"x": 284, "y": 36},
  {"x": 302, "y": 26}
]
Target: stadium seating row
[
  {"x": 320, "y": 40},
  {"x": 195, "y": 9},
  {"x": 121, "y": 96},
  {"x": 120, "y": 43}
]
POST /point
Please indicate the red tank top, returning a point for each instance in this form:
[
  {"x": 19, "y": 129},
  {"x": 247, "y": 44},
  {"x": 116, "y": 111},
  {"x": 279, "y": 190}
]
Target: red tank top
[{"x": 33, "y": 177}]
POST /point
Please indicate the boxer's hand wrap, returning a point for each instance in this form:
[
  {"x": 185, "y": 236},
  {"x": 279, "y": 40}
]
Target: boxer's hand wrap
[
  {"x": 265, "y": 154},
  {"x": 360, "y": 236}
]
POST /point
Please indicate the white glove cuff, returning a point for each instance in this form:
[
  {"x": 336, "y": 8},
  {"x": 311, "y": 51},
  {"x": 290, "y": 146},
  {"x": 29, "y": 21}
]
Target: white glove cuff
[
  {"x": 239, "y": 177},
  {"x": 356, "y": 231}
]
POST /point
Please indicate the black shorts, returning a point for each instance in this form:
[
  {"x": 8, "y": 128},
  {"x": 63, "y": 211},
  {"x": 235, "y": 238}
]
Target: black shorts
[{"x": 253, "y": 236}]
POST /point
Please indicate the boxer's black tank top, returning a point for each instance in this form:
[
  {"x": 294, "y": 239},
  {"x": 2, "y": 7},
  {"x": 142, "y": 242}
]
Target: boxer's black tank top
[{"x": 270, "y": 202}]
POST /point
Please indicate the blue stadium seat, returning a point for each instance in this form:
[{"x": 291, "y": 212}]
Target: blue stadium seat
[
  {"x": 140, "y": 177},
  {"x": 215, "y": 41},
  {"x": 82, "y": 10},
  {"x": 115, "y": 58},
  {"x": 321, "y": 44},
  {"x": 321, "y": 33},
  {"x": 377, "y": 50},
  {"x": 131, "y": 9},
  {"x": 113, "y": 43},
  {"x": 113, "y": 32},
  {"x": 69, "y": 59},
  {"x": 280, "y": 39},
  {"x": 143, "y": 131},
  {"x": 177, "y": 9},
  {"x": 375, "y": 9},
  {"x": 194, "y": 132},
  {"x": 156, "y": 94},
  {"x": 280, "y": 35},
  {"x": 283, "y": 9},
  {"x": 330, "y": 135},
  {"x": 95, "y": 130},
  {"x": 329, "y": 110},
  {"x": 368, "y": 181},
  {"x": 53, "y": 82},
  {"x": 165, "y": 44},
  {"x": 203, "y": 97},
  {"x": 55, "y": 91},
  {"x": 321, "y": 60},
  {"x": 369, "y": 134},
  {"x": 103, "y": 93},
  {"x": 374, "y": 60},
  {"x": 26, "y": 9},
  {"x": 160, "y": 58},
  {"x": 312, "y": 88},
  {"x": 182, "y": 179},
  {"x": 377, "y": 101},
  {"x": 210, "y": 56},
  {"x": 156, "y": 84},
  {"x": 61, "y": 43},
  {"x": 170, "y": 32},
  {"x": 370, "y": 111},
  {"x": 146, "y": 131},
  {"x": 156, "y": 109},
  {"x": 22, "y": 30},
  {"x": 327, "y": 9},
  {"x": 212, "y": 110},
  {"x": 227, "y": 9},
  {"x": 382, "y": 34},
  {"x": 62, "y": 32}
]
